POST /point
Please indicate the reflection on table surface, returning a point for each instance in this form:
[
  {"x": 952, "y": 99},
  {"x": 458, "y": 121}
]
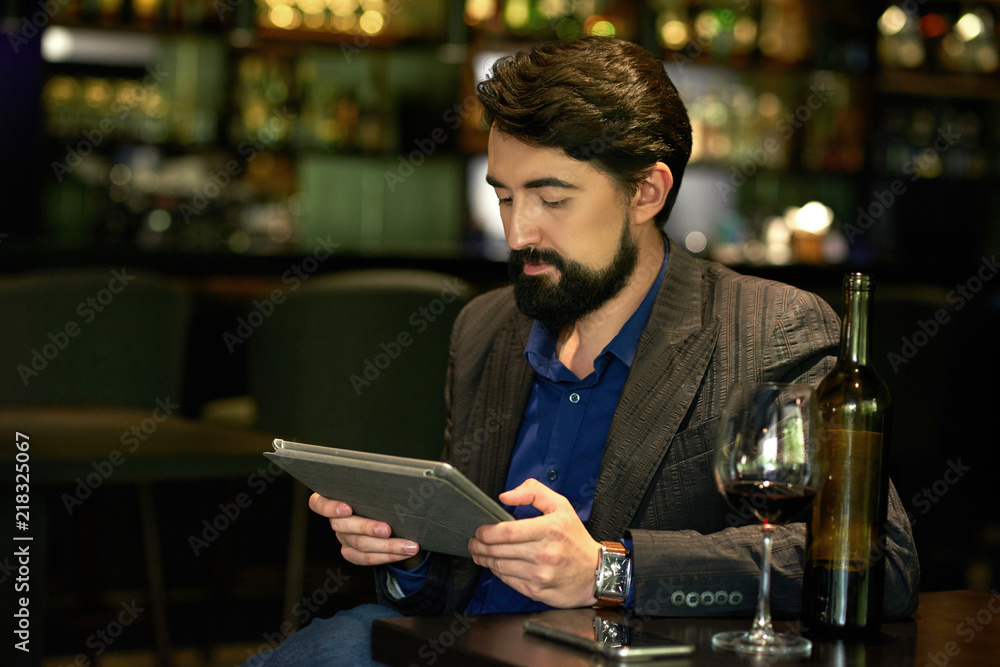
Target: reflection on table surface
[{"x": 950, "y": 628}]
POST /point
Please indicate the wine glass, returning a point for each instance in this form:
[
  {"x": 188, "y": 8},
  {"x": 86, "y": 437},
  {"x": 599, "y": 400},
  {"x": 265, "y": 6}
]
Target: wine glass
[{"x": 766, "y": 469}]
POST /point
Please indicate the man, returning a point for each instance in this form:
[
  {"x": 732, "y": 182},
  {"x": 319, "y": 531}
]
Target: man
[{"x": 599, "y": 376}]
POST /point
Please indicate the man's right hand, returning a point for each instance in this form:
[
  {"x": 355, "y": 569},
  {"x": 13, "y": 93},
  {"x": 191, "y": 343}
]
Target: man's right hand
[{"x": 363, "y": 541}]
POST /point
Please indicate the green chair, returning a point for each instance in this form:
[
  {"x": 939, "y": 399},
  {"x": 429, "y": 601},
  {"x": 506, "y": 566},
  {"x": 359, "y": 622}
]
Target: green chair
[
  {"x": 358, "y": 360},
  {"x": 110, "y": 337},
  {"x": 355, "y": 360},
  {"x": 90, "y": 353},
  {"x": 94, "y": 371}
]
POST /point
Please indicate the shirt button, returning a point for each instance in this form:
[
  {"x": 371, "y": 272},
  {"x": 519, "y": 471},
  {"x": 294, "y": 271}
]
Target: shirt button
[
  {"x": 574, "y": 397},
  {"x": 553, "y": 474},
  {"x": 677, "y": 598},
  {"x": 707, "y": 598},
  {"x": 692, "y": 600},
  {"x": 721, "y": 597}
]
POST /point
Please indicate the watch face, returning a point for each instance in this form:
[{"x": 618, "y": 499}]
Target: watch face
[{"x": 614, "y": 577}]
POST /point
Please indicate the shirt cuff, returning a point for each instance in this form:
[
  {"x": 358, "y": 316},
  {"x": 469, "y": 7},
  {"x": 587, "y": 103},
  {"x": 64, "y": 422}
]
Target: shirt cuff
[{"x": 403, "y": 583}]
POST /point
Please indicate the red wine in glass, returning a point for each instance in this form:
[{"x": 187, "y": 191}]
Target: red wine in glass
[{"x": 769, "y": 502}]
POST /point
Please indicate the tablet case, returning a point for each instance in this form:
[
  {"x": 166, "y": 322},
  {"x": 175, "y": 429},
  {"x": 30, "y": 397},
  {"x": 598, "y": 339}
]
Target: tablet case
[{"x": 429, "y": 502}]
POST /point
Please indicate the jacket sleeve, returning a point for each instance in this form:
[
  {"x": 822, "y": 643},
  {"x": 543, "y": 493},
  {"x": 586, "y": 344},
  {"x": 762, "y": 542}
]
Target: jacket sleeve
[
  {"x": 686, "y": 573},
  {"x": 701, "y": 572}
]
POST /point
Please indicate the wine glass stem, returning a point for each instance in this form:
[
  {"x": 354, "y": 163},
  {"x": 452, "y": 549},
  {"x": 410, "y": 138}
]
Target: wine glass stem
[{"x": 762, "y": 628}]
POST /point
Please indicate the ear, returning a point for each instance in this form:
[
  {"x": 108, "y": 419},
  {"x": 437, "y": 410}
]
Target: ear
[{"x": 652, "y": 193}]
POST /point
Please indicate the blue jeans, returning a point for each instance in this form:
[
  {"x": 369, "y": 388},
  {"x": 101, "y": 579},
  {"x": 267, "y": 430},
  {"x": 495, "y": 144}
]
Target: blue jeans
[{"x": 343, "y": 639}]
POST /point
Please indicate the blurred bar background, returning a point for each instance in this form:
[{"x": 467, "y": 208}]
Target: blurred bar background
[{"x": 222, "y": 142}]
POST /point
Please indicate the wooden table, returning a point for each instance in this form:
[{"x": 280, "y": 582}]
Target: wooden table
[{"x": 950, "y": 628}]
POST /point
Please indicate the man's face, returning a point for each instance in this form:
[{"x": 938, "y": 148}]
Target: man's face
[{"x": 571, "y": 246}]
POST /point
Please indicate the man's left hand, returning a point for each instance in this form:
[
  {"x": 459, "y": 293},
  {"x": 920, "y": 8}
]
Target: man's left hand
[{"x": 551, "y": 558}]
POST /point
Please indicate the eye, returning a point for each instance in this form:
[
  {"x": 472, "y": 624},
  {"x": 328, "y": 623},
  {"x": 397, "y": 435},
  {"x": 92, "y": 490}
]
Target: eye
[
  {"x": 505, "y": 201},
  {"x": 554, "y": 204}
]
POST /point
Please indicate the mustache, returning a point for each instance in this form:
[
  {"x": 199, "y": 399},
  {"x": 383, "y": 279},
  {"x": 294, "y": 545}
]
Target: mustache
[{"x": 518, "y": 258}]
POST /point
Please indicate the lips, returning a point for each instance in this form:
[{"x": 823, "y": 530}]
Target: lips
[
  {"x": 529, "y": 262},
  {"x": 533, "y": 269}
]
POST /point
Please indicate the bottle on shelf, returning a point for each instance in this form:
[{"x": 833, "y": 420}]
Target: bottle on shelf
[{"x": 844, "y": 560}]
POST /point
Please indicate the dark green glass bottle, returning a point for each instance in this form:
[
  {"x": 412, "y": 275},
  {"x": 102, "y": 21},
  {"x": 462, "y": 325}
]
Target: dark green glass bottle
[{"x": 844, "y": 576}]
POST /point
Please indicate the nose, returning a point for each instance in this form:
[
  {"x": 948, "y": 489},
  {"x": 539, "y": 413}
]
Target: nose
[{"x": 520, "y": 227}]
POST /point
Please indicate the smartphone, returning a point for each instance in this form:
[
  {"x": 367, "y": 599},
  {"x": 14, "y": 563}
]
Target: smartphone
[{"x": 616, "y": 641}]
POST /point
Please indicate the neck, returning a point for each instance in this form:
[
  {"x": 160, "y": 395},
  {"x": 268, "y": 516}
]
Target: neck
[{"x": 581, "y": 342}]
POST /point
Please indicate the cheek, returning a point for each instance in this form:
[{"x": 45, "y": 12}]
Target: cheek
[{"x": 597, "y": 240}]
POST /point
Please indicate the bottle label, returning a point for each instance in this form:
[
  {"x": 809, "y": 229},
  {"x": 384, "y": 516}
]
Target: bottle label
[{"x": 845, "y": 512}]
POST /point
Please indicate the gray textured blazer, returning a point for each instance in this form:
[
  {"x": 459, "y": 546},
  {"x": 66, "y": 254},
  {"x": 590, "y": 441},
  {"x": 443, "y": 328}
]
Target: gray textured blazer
[{"x": 710, "y": 327}]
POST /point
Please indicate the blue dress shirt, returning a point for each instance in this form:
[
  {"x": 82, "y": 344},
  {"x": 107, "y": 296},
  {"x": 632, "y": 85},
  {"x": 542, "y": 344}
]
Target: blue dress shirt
[{"x": 561, "y": 441}]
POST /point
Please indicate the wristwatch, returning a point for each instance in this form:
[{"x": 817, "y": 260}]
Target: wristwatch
[{"x": 614, "y": 575}]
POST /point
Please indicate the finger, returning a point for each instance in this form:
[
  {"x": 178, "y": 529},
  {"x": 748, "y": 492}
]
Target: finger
[
  {"x": 544, "y": 553},
  {"x": 534, "y": 493},
  {"x": 356, "y": 525},
  {"x": 521, "y": 531},
  {"x": 328, "y": 507},
  {"x": 376, "y": 545},
  {"x": 479, "y": 549},
  {"x": 508, "y": 569},
  {"x": 359, "y": 557}
]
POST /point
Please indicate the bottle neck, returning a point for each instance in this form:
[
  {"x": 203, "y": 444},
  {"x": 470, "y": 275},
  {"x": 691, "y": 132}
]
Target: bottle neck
[{"x": 854, "y": 329}]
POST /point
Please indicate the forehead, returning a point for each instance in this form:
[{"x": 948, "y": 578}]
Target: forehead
[{"x": 514, "y": 163}]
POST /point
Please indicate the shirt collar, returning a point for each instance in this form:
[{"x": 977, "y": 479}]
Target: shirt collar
[{"x": 540, "y": 352}]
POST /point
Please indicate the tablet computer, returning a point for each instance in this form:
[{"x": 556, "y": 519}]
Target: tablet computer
[{"x": 429, "y": 502}]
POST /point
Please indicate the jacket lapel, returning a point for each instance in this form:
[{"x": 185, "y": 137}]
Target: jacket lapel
[
  {"x": 667, "y": 370},
  {"x": 506, "y": 387}
]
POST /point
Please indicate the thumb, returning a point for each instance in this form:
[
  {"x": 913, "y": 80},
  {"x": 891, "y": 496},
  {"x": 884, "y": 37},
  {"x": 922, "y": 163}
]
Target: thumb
[{"x": 534, "y": 493}]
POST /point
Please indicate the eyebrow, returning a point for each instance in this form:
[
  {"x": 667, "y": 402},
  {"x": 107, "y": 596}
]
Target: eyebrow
[{"x": 545, "y": 182}]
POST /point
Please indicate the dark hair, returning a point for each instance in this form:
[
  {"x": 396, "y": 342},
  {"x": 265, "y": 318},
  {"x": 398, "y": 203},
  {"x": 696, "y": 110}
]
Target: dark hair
[{"x": 599, "y": 99}]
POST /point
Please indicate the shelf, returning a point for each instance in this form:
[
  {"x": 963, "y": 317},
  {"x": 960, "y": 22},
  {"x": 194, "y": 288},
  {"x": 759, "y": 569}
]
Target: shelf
[{"x": 924, "y": 84}]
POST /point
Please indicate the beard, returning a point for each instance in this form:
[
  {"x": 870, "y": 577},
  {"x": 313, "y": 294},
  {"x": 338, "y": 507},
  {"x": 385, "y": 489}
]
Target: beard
[{"x": 577, "y": 291}]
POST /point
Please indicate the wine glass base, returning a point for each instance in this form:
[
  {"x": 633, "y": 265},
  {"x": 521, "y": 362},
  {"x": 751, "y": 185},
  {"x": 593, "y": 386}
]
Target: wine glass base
[{"x": 767, "y": 644}]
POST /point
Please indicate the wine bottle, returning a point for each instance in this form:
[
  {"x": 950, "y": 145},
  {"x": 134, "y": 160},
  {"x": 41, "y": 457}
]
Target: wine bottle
[{"x": 844, "y": 573}]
